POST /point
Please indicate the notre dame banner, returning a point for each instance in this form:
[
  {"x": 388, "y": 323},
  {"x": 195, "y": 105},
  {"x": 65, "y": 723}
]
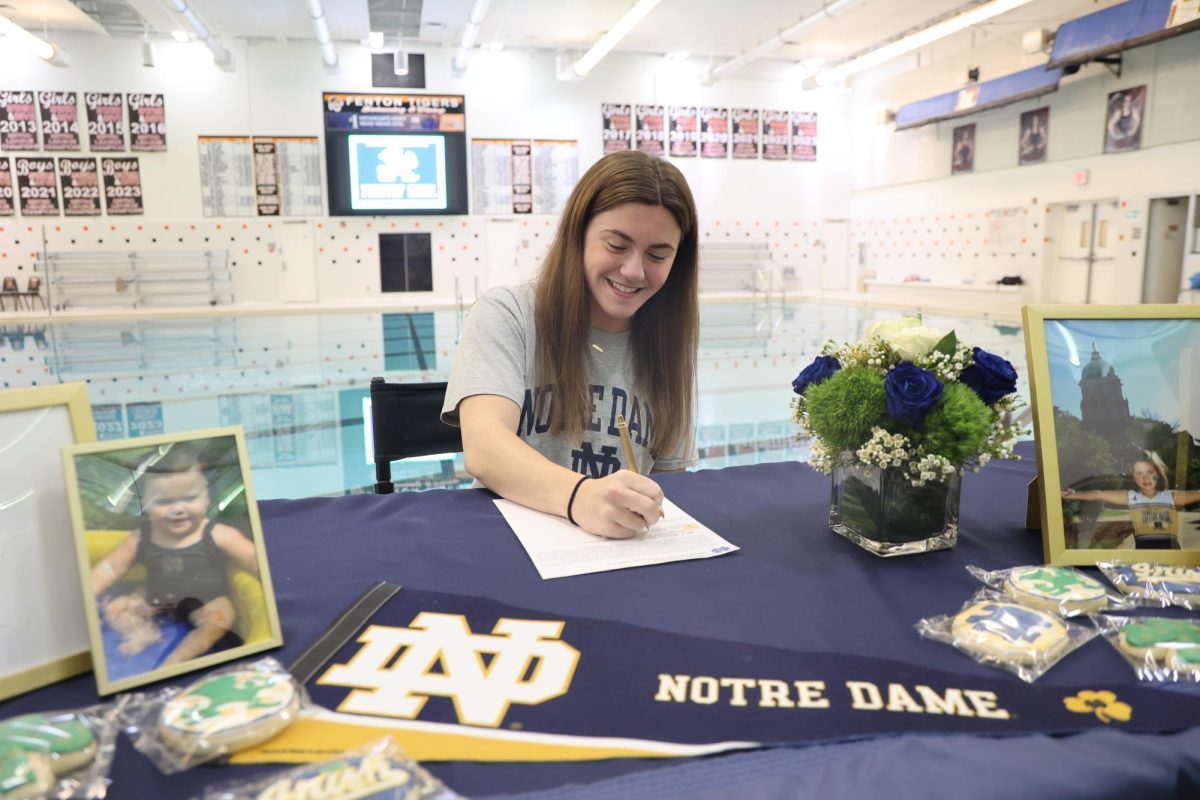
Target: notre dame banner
[{"x": 465, "y": 678}]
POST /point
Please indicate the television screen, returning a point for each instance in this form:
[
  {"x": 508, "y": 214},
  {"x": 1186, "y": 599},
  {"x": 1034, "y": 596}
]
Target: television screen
[
  {"x": 395, "y": 154},
  {"x": 397, "y": 173}
]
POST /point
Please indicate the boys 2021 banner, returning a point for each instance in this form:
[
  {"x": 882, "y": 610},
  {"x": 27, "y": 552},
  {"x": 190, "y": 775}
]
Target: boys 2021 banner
[{"x": 456, "y": 677}]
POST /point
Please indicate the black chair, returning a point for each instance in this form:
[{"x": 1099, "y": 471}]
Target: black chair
[
  {"x": 33, "y": 291},
  {"x": 406, "y": 422},
  {"x": 8, "y": 288}
]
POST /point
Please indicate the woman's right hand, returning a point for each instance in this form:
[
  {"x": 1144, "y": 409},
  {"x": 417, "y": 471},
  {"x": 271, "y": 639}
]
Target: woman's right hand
[
  {"x": 618, "y": 506},
  {"x": 1068, "y": 492}
]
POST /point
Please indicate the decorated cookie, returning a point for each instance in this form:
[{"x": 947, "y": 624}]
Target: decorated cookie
[
  {"x": 1174, "y": 643},
  {"x": 1062, "y": 590},
  {"x": 24, "y": 774},
  {"x": 64, "y": 738},
  {"x": 1009, "y": 633},
  {"x": 229, "y": 711},
  {"x": 370, "y": 777},
  {"x": 1158, "y": 581}
]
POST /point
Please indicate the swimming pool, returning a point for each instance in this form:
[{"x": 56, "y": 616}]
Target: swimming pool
[{"x": 297, "y": 383}]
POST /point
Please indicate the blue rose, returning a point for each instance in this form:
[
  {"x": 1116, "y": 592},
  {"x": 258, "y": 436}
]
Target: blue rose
[
  {"x": 820, "y": 370},
  {"x": 991, "y": 376},
  {"x": 911, "y": 393}
]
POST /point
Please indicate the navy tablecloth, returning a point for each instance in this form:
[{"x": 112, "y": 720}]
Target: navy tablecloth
[{"x": 794, "y": 584}]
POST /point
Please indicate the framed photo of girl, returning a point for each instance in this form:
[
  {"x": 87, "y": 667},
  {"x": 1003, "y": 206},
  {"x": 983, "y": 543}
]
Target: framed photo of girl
[
  {"x": 170, "y": 555},
  {"x": 1116, "y": 401}
]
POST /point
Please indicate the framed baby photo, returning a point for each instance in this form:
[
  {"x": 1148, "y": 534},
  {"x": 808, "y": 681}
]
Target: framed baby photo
[
  {"x": 1116, "y": 401},
  {"x": 42, "y": 631},
  {"x": 170, "y": 554}
]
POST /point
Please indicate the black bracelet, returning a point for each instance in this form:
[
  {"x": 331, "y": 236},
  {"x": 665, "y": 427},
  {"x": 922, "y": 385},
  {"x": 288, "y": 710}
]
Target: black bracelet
[{"x": 571, "y": 502}]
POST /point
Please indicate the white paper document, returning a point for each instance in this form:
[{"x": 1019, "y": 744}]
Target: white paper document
[{"x": 559, "y": 549}]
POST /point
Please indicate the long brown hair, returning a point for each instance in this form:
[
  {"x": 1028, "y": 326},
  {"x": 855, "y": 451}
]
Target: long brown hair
[{"x": 665, "y": 331}]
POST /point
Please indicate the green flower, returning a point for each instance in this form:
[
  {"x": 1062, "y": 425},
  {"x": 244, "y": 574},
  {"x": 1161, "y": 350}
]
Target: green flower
[
  {"x": 843, "y": 409},
  {"x": 957, "y": 427}
]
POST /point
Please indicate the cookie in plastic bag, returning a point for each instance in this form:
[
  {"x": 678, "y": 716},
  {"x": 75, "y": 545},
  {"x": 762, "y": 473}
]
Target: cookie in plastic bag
[
  {"x": 379, "y": 770},
  {"x": 994, "y": 630}
]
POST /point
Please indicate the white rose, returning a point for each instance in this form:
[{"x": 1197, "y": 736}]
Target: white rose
[
  {"x": 887, "y": 328},
  {"x": 911, "y": 343}
]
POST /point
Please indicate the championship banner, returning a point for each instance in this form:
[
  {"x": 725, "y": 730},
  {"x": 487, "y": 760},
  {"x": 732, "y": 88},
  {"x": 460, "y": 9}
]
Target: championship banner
[
  {"x": 18, "y": 121},
  {"x": 651, "y": 129},
  {"x": 404, "y": 113},
  {"x": 105, "y": 121},
  {"x": 147, "y": 123},
  {"x": 452, "y": 677},
  {"x": 804, "y": 136},
  {"x": 522, "y": 177},
  {"x": 617, "y": 130},
  {"x": 266, "y": 178},
  {"x": 37, "y": 186},
  {"x": 745, "y": 132},
  {"x": 714, "y": 132},
  {"x": 59, "y": 113},
  {"x": 776, "y": 133},
  {"x": 685, "y": 133},
  {"x": 7, "y": 209},
  {"x": 80, "y": 187},
  {"x": 122, "y": 186}
]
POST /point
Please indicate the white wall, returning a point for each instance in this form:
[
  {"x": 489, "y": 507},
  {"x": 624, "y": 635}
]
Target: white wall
[
  {"x": 916, "y": 219},
  {"x": 275, "y": 90}
]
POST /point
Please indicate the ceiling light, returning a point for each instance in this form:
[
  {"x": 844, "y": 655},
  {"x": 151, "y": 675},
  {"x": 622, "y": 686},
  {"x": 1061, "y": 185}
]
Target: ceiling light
[
  {"x": 678, "y": 55},
  {"x": 34, "y": 44},
  {"x": 181, "y": 37},
  {"x": 147, "y": 49},
  {"x": 615, "y": 34},
  {"x": 915, "y": 41},
  {"x": 400, "y": 61},
  {"x": 375, "y": 40},
  {"x": 562, "y": 67},
  {"x": 816, "y": 62}
]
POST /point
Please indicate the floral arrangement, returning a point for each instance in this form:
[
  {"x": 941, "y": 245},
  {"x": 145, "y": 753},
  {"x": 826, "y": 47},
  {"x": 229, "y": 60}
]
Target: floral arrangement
[{"x": 908, "y": 396}]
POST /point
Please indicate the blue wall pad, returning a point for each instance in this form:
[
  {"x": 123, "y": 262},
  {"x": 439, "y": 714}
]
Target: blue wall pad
[
  {"x": 1114, "y": 29},
  {"x": 992, "y": 94}
]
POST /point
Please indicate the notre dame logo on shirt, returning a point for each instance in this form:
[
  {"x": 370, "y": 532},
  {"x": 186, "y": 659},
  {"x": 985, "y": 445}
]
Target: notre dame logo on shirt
[
  {"x": 522, "y": 661},
  {"x": 1154, "y": 519}
]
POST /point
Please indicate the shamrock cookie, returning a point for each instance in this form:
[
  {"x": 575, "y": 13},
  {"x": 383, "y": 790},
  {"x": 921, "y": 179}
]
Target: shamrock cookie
[
  {"x": 1161, "y": 641},
  {"x": 1062, "y": 590},
  {"x": 64, "y": 738},
  {"x": 24, "y": 775},
  {"x": 229, "y": 711},
  {"x": 1009, "y": 633}
]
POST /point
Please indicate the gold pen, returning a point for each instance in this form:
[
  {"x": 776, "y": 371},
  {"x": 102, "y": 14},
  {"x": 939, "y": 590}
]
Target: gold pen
[{"x": 630, "y": 458}]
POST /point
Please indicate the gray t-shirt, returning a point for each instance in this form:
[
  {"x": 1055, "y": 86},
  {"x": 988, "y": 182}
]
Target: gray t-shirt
[{"x": 496, "y": 355}]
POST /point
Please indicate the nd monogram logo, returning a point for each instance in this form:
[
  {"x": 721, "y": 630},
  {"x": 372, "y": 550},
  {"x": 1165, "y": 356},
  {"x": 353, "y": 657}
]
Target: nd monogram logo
[{"x": 528, "y": 664}]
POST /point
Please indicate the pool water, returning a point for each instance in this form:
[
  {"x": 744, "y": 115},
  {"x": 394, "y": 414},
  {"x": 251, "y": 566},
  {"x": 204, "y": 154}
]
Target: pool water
[{"x": 297, "y": 383}]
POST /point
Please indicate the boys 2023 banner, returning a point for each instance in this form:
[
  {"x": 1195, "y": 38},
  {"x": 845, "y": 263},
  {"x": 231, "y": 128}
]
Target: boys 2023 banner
[{"x": 457, "y": 677}]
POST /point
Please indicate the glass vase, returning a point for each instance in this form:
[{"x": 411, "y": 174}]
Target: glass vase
[{"x": 881, "y": 511}]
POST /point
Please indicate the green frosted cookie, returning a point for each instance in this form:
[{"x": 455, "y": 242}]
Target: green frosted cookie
[
  {"x": 1173, "y": 642},
  {"x": 229, "y": 711},
  {"x": 64, "y": 738},
  {"x": 24, "y": 775}
]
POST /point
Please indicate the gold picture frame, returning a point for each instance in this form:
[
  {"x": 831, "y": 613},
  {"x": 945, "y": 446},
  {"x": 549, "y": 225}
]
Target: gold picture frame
[
  {"x": 42, "y": 608},
  {"x": 170, "y": 554},
  {"x": 1116, "y": 400}
]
